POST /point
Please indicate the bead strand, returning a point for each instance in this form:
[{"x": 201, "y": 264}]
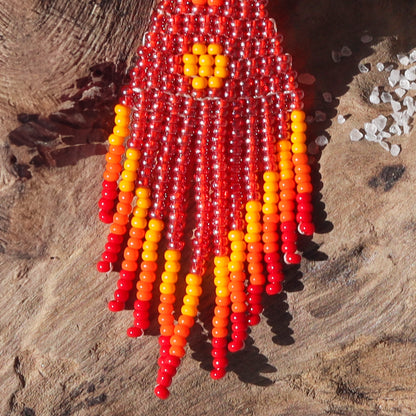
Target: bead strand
[
  {"x": 236, "y": 286},
  {"x": 113, "y": 166},
  {"x": 220, "y": 320},
  {"x": 303, "y": 178}
]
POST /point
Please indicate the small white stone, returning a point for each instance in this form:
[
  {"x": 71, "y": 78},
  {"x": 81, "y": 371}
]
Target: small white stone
[
  {"x": 386, "y": 97},
  {"x": 410, "y": 73},
  {"x": 384, "y": 135},
  {"x": 306, "y": 79},
  {"x": 394, "y": 77},
  {"x": 384, "y": 145},
  {"x": 374, "y": 99},
  {"x": 395, "y": 105},
  {"x": 412, "y": 56},
  {"x": 395, "y": 150},
  {"x": 356, "y": 135},
  {"x": 380, "y": 67},
  {"x": 336, "y": 56},
  {"x": 341, "y": 119},
  {"x": 405, "y": 84},
  {"x": 327, "y": 96},
  {"x": 320, "y": 116},
  {"x": 363, "y": 68},
  {"x": 403, "y": 59},
  {"x": 395, "y": 130},
  {"x": 380, "y": 122},
  {"x": 366, "y": 38},
  {"x": 413, "y": 85},
  {"x": 346, "y": 51},
  {"x": 371, "y": 137},
  {"x": 400, "y": 92},
  {"x": 321, "y": 141},
  {"x": 370, "y": 128},
  {"x": 389, "y": 68}
]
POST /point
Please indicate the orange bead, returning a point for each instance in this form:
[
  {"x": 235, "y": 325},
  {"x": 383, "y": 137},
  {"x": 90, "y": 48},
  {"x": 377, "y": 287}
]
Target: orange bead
[
  {"x": 238, "y": 297},
  {"x": 112, "y": 158},
  {"x": 238, "y": 276},
  {"x": 285, "y": 165},
  {"x": 299, "y": 127},
  {"x": 219, "y": 322},
  {"x": 271, "y": 247},
  {"x": 300, "y": 159},
  {"x": 288, "y": 195},
  {"x": 219, "y": 332},
  {"x": 302, "y": 169},
  {"x": 284, "y": 146},
  {"x": 122, "y": 110},
  {"x": 113, "y": 167},
  {"x": 238, "y": 307},
  {"x": 286, "y": 174},
  {"x": 147, "y": 276},
  {"x": 123, "y": 209},
  {"x": 167, "y": 298},
  {"x": 298, "y": 137},
  {"x": 270, "y": 237},
  {"x": 177, "y": 351},
  {"x": 255, "y": 247},
  {"x": 257, "y": 279},
  {"x": 272, "y": 218},
  {"x": 255, "y": 257},
  {"x": 222, "y": 301},
  {"x": 125, "y": 197},
  {"x": 136, "y": 233},
  {"x": 303, "y": 178},
  {"x": 144, "y": 286},
  {"x": 254, "y": 268},
  {"x": 215, "y": 3},
  {"x": 287, "y": 184},
  {"x": 166, "y": 319},
  {"x": 199, "y": 2},
  {"x": 144, "y": 296},
  {"x": 286, "y": 205},
  {"x": 118, "y": 229},
  {"x": 165, "y": 308},
  {"x": 116, "y": 150},
  {"x": 181, "y": 331},
  {"x": 298, "y": 148},
  {"x": 120, "y": 219},
  {"x": 222, "y": 311},
  {"x": 166, "y": 330},
  {"x": 148, "y": 266},
  {"x": 304, "y": 188},
  {"x": 131, "y": 254},
  {"x": 110, "y": 176},
  {"x": 287, "y": 216},
  {"x": 134, "y": 243},
  {"x": 186, "y": 320},
  {"x": 129, "y": 265},
  {"x": 236, "y": 286},
  {"x": 284, "y": 156}
]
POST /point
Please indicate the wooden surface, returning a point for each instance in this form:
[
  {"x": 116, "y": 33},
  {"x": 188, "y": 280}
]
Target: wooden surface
[{"x": 340, "y": 341}]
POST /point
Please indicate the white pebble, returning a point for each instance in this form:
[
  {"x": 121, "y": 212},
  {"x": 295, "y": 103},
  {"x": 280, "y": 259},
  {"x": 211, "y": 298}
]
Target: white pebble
[
  {"x": 306, "y": 79},
  {"x": 412, "y": 56},
  {"x": 320, "y": 116},
  {"x": 327, "y": 96},
  {"x": 346, "y": 51},
  {"x": 341, "y": 119},
  {"x": 321, "y": 141},
  {"x": 395, "y": 105},
  {"x": 413, "y": 85},
  {"x": 363, "y": 68},
  {"x": 380, "y": 122},
  {"x": 384, "y": 145},
  {"x": 410, "y": 73},
  {"x": 370, "y": 128},
  {"x": 395, "y": 130},
  {"x": 336, "y": 56},
  {"x": 403, "y": 59},
  {"x": 400, "y": 92},
  {"x": 386, "y": 97},
  {"x": 371, "y": 137},
  {"x": 389, "y": 68},
  {"x": 380, "y": 67},
  {"x": 394, "y": 77},
  {"x": 366, "y": 38},
  {"x": 374, "y": 99},
  {"x": 405, "y": 84},
  {"x": 395, "y": 150},
  {"x": 356, "y": 135}
]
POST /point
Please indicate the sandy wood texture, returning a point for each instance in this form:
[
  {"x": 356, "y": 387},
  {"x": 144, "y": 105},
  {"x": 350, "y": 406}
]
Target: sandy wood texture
[{"x": 340, "y": 341}]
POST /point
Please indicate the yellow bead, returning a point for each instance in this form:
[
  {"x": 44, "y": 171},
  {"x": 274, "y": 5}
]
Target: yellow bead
[
  {"x": 131, "y": 165},
  {"x": 190, "y": 70},
  {"x": 152, "y": 235},
  {"x": 284, "y": 145},
  {"x": 271, "y": 176},
  {"x": 122, "y": 110},
  {"x": 167, "y": 288},
  {"x": 189, "y": 310},
  {"x": 221, "y": 61},
  {"x": 215, "y": 49},
  {"x": 297, "y": 115},
  {"x": 199, "y": 83},
  {"x": 193, "y": 279},
  {"x": 221, "y": 261},
  {"x": 132, "y": 154},
  {"x": 238, "y": 246},
  {"x": 237, "y": 256},
  {"x": 270, "y": 198},
  {"x": 145, "y": 203},
  {"x": 252, "y": 238},
  {"x": 199, "y": 49},
  {"x": 222, "y": 292},
  {"x": 299, "y": 148},
  {"x": 172, "y": 255},
  {"x": 235, "y": 266},
  {"x": 169, "y": 277},
  {"x": 115, "y": 140},
  {"x": 150, "y": 246},
  {"x": 190, "y": 59},
  {"x": 287, "y": 155},
  {"x": 156, "y": 225},
  {"x": 193, "y": 290},
  {"x": 190, "y": 300},
  {"x": 236, "y": 235},
  {"x": 252, "y": 217},
  {"x": 172, "y": 266},
  {"x": 254, "y": 228},
  {"x": 298, "y": 137},
  {"x": 138, "y": 222},
  {"x": 270, "y": 209},
  {"x": 221, "y": 281},
  {"x": 143, "y": 193},
  {"x": 126, "y": 186},
  {"x": 121, "y": 131},
  {"x": 285, "y": 165},
  {"x": 139, "y": 212},
  {"x": 206, "y": 60},
  {"x": 221, "y": 72},
  {"x": 205, "y": 71},
  {"x": 129, "y": 176},
  {"x": 299, "y": 127},
  {"x": 122, "y": 121},
  {"x": 286, "y": 174},
  {"x": 253, "y": 206},
  {"x": 271, "y": 187},
  {"x": 221, "y": 271},
  {"x": 149, "y": 255},
  {"x": 215, "y": 82}
]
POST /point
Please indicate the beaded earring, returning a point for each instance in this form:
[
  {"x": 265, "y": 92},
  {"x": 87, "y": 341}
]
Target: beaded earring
[{"x": 212, "y": 117}]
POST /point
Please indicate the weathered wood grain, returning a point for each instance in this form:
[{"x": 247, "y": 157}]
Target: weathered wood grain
[{"x": 340, "y": 341}]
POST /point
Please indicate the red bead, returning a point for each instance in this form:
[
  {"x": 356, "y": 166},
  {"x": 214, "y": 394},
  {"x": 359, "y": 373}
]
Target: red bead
[
  {"x": 141, "y": 305},
  {"x": 255, "y": 289},
  {"x": 290, "y": 236},
  {"x": 307, "y": 228},
  {"x": 272, "y": 258},
  {"x": 162, "y": 392},
  {"x": 292, "y": 258},
  {"x": 105, "y": 216},
  {"x": 236, "y": 345},
  {"x": 121, "y": 295},
  {"x": 115, "y": 238},
  {"x": 115, "y": 306},
  {"x": 276, "y": 277},
  {"x": 305, "y": 207},
  {"x": 109, "y": 194},
  {"x": 103, "y": 266},
  {"x": 255, "y": 308},
  {"x": 220, "y": 362},
  {"x": 164, "y": 340},
  {"x": 109, "y": 256},
  {"x": 303, "y": 217},
  {"x": 238, "y": 318},
  {"x": 253, "y": 320},
  {"x": 219, "y": 352},
  {"x": 240, "y": 335},
  {"x": 142, "y": 323},
  {"x": 164, "y": 379},
  {"x": 288, "y": 226},
  {"x": 289, "y": 248},
  {"x": 169, "y": 369},
  {"x": 254, "y": 298},
  {"x": 113, "y": 248},
  {"x": 173, "y": 361},
  {"x": 125, "y": 284},
  {"x": 218, "y": 373},
  {"x": 127, "y": 275},
  {"x": 134, "y": 332},
  {"x": 219, "y": 342},
  {"x": 106, "y": 204},
  {"x": 273, "y": 288}
]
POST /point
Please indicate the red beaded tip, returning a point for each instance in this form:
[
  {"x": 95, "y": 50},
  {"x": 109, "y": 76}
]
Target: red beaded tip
[
  {"x": 115, "y": 306},
  {"x": 162, "y": 392},
  {"x": 218, "y": 373},
  {"x": 134, "y": 332},
  {"x": 103, "y": 266}
]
